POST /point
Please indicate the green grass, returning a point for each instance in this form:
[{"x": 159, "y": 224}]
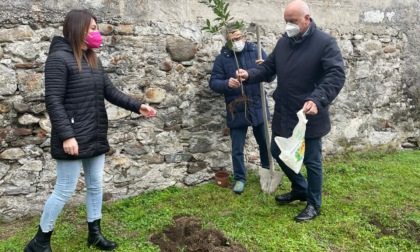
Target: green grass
[{"x": 371, "y": 202}]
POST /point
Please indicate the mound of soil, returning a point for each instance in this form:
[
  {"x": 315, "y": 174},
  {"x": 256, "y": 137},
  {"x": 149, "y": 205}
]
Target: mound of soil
[{"x": 187, "y": 235}]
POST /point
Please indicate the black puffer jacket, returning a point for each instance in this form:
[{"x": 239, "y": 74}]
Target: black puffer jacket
[{"x": 76, "y": 102}]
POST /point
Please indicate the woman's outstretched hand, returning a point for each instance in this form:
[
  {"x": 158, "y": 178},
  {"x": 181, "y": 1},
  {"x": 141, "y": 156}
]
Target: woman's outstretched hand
[{"x": 147, "y": 111}]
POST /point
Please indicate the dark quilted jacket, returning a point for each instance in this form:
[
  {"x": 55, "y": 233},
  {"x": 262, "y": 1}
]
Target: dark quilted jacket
[
  {"x": 224, "y": 68},
  {"x": 75, "y": 102}
]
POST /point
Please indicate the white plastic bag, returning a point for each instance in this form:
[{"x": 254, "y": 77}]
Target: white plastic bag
[{"x": 293, "y": 148}]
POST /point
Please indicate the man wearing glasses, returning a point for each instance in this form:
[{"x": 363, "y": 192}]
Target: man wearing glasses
[{"x": 243, "y": 103}]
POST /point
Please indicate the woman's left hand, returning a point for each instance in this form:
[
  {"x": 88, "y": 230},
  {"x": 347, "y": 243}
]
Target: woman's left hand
[{"x": 147, "y": 111}]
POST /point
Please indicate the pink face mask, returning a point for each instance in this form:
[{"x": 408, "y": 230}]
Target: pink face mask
[{"x": 93, "y": 40}]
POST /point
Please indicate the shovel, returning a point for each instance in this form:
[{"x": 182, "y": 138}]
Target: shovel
[{"x": 269, "y": 178}]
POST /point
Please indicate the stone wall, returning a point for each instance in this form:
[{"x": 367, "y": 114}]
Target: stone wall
[{"x": 155, "y": 51}]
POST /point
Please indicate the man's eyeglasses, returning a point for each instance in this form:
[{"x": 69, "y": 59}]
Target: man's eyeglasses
[{"x": 237, "y": 38}]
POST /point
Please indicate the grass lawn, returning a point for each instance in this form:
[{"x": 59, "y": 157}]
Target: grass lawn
[{"x": 371, "y": 202}]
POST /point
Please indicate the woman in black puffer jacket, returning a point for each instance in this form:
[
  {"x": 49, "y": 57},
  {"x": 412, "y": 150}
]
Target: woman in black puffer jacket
[{"x": 76, "y": 88}]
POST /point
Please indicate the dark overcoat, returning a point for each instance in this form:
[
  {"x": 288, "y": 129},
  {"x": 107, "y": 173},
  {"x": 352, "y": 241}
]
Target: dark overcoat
[{"x": 309, "y": 69}]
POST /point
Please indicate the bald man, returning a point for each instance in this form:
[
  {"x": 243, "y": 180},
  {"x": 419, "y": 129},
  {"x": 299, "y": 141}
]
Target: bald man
[{"x": 310, "y": 74}]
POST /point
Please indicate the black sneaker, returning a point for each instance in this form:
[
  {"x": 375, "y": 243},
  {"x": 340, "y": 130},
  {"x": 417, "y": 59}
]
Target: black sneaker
[{"x": 309, "y": 213}]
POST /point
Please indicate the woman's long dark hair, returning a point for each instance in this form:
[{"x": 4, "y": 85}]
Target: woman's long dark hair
[{"x": 75, "y": 27}]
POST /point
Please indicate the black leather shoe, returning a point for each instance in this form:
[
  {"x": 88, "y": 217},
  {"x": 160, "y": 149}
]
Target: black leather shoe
[
  {"x": 289, "y": 197},
  {"x": 309, "y": 213}
]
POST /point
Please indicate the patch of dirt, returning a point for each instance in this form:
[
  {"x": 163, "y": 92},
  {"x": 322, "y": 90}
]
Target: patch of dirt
[
  {"x": 409, "y": 229},
  {"x": 187, "y": 235},
  {"x": 384, "y": 230},
  {"x": 10, "y": 229},
  {"x": 414, "y": 229}
]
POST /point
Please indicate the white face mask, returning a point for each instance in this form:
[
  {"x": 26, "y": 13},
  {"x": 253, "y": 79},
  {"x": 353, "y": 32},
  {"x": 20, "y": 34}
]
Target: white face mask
[
  {"x": 292, "y": 29},
  {"x": 238, "y": 46}
]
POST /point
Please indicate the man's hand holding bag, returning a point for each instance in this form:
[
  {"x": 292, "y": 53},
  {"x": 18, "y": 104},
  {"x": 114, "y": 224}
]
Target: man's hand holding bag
[{"x": 293, "y": 148}]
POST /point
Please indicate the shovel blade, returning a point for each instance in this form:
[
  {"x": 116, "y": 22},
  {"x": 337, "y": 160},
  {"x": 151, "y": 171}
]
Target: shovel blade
[
  {"x": 275, "y": 181},
  {"x": 265, "y": 179},
  {"x": 270, "y": 180}
]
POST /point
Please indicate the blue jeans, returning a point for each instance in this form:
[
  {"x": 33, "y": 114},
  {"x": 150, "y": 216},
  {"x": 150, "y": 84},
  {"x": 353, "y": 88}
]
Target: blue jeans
[
  {"x": 238, "y": 137},
  {"x": 68, "y": 172},
  {"x": 312, "y": 161}
]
